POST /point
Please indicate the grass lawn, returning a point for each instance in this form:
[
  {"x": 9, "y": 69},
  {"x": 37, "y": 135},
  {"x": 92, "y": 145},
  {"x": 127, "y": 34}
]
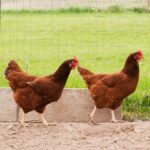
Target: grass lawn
[{"x": 101, "y": 41}]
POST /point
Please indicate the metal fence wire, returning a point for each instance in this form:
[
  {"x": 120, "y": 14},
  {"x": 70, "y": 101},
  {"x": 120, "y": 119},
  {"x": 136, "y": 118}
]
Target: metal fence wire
[
  {"x": 41, "y": 34},
  {"x": 53, "y": 4}
]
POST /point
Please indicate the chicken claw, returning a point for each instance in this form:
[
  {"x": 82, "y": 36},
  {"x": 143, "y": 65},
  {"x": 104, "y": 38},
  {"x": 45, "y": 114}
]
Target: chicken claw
[
  {"x": 91, "y": 116},
  {"x": 45, "y": 122},
  {"x": 113, "y": 119}
]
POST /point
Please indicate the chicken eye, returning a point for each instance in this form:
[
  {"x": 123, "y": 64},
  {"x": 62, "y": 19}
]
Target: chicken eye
[
  {"x": 135, "y": 56},
  {"x": 70, "y": 64}
]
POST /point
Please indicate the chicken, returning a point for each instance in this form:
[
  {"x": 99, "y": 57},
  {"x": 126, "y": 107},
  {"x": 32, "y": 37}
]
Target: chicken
[
  {"x": 109, "y": 90},
  {"x": 16, "y": 77},
  {"x": 33, "y": 93}
]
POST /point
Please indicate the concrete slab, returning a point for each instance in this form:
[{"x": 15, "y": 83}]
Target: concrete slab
[
  {"x": 7, "y": 105},
  {"x": 73, "y": 106}
]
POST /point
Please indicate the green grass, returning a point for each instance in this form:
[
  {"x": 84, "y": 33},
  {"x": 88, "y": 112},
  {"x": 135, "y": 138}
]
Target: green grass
[
  {"x": 111, "y": 9},
  {"x": 52, "y": 11},
  {"x": 102, "y": 42}
]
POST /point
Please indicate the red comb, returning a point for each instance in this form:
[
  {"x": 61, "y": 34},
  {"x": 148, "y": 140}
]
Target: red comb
[
  {"x": 74, "y": 63},
  {"x": 76, "y": 59},
  {"x": 141, "y": 53}
]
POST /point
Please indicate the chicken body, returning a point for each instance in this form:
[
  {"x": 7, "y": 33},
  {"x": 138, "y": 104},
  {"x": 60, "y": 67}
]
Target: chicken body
[
  {"x": 109, "y": 90},
  {"x": 34, "y": 93}
]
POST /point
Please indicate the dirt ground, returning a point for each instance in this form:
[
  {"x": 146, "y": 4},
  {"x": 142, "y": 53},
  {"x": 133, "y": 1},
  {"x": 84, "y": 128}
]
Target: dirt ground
[{"x": 76, "y": 136}]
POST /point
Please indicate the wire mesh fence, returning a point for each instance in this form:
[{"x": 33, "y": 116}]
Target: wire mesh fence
[
  {"x": 53, "y": 4},
  {"x": 42, "y": 34}
]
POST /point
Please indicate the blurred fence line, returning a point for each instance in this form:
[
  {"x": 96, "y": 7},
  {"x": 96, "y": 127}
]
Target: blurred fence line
[{"x": 55, "y": 4}]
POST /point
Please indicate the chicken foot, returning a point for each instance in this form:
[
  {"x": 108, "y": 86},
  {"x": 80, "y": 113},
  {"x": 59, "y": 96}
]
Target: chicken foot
[
  {"x": 45, "y": 122},
  {"x": 92, "y": 115},
  {"x": 23, "y": 118},
  {"x": 41, "y": 115},
  {"x": 113, "y": 118}
]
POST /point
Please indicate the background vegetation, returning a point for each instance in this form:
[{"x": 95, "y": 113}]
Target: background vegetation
[{"x": 102, "y": 39}]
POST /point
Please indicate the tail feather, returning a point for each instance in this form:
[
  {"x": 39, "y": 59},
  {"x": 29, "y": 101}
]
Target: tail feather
[
  {"x": 12, "y": 66},
  {"x": 85, "y": 73}
]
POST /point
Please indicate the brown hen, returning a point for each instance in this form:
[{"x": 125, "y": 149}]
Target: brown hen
[
  {"x": 109, "y": 90},
  {"x": 33, "y": 93}
]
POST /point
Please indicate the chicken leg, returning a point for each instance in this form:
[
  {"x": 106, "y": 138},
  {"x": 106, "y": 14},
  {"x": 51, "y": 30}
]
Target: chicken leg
[
  {"x": 22, "y": 118},
  {"x": 113, "y": 118},
  {"x": 92, "y": 115},
  {"x": 44, "y": 120}
]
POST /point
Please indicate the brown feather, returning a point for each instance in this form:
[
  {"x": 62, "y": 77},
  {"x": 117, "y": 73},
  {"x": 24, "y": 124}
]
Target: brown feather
[
  {"x": 34, "y": 93},
  {"x": 109, "y": 90}
]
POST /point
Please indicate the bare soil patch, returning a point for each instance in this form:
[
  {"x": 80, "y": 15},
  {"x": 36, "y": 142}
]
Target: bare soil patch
[{"x": 76, "y": 136}]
